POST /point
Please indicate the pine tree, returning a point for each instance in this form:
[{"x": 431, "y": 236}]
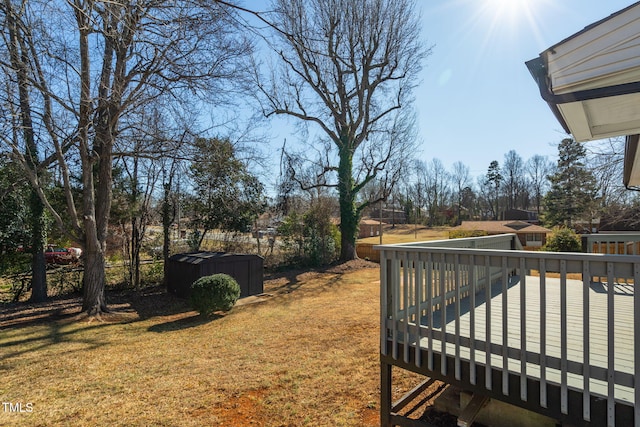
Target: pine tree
[
  {"x": 573, "y": 186},
  {"x": 493, "y": 183}
]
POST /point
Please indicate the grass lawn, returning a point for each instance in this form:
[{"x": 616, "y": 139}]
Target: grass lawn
[
  {"x": 405, "y": 233},
  {"x": 307, "y": 354}
]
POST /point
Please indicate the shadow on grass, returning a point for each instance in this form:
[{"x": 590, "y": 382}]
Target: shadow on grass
[
  {"x": 183, "y": 323},
  {"x": 126, "y": 307},
  {"x": 61, "y": 320},
  {"x": 22, "y": 314},
  {"x": 153, "y": 301},
  {"x": 289, "y": 281},
  {"x": 53, "y": 334}
]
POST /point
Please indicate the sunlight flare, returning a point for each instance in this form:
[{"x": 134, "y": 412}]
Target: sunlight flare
[{"x": 511, "y": 9}]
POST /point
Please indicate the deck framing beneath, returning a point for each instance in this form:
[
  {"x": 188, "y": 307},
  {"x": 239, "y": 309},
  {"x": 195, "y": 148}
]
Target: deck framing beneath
[{"x": 624, "y": 413}]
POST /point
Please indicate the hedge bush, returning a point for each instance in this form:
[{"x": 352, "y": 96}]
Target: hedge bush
[
  {"x": 218, "y": 292},
  {"x": 563, "y": 240},
  {"x": 461, "y": 234}
]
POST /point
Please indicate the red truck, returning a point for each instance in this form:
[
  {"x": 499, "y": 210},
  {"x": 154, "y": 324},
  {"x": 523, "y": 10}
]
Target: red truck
[{"x": 58, "y": 255}]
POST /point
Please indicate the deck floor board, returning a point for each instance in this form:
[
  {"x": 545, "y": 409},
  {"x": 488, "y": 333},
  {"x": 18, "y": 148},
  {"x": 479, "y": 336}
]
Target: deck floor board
[{"x": 622, "y": 330}]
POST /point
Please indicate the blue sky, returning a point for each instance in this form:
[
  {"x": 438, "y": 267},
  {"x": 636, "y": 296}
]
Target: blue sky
[{"x": 477, "y": 100}]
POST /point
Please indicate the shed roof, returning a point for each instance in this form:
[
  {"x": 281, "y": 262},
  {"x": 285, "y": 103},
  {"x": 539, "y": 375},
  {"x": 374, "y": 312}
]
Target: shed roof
[
  {"x": 370, "y": 222},
  {"x": 204, "y": 257},
  {"x": 502, "y": 227}
]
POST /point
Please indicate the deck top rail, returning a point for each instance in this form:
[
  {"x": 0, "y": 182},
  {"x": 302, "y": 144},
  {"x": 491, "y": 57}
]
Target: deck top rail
[{"x": 564, "y": 319}]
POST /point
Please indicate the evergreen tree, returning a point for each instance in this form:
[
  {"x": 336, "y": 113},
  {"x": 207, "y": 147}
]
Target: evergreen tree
[
  {"x": 573, "y": 186},
  {"x": 226, "y": 196},
  {"x": 14, "y": 208},
  {"x": 493, "y": 182}
]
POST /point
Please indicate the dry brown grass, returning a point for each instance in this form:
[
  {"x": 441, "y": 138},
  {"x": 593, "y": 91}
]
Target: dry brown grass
[
  {"x": 405, "y": 233},
  {"x": 305, "y": 355}
]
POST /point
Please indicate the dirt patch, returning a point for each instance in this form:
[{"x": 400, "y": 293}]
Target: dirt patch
[
  {"x": 370, "y": 417},
  {"x": 356, "y": 264},
  {"x": 243, "y": 410}
]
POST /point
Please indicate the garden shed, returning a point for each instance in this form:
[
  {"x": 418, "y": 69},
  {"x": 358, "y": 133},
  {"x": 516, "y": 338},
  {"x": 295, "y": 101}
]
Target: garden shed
[{"x": 184, "y": 269}]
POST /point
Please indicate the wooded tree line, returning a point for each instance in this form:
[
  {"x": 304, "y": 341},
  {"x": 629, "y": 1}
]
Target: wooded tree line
[
  {"x": 91, "y": 88},
  {"x": 582, "y": 184},
  {"x": 114, "y": 111}
]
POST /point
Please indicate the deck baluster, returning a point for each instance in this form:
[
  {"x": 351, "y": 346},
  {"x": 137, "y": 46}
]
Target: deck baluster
[
  {"x": 611, "y": 352},
  {"x": 487, "y": 326},
  {"x": 505, "y": 328},
  {"x": 636, "y": 342},
  {"x": 443, "y": 315},
  {"x": 523, "y": 331},
  {"x": 406, "y": 289},
  {"x": 564, "y": 392},
  {"x": 419, "y": 302},
  {"x": 543, "y": 332},
  {"x": 430, "y": 285},
  {"x": 396, "y": 303},
  {"x": 384, "y": 300},
  {"x": 586, "y": 334},
  {"x": 472, "y": 321},
  {"x": 456, "y": 267}
]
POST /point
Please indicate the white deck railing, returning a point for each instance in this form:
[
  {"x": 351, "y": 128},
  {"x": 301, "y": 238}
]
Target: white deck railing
[
  {"x": 484, "y": 302},
  {"x": 612, "y": 243}
]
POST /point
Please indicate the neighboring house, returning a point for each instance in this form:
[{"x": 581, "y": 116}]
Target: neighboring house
[
  {"x": 369, "y": 228},
  {"x": 521, "y": 215},
  {"x": 390, "y": 216},
  {"x": 590, "y": 226},
  {"x": 530, "y": 235}
]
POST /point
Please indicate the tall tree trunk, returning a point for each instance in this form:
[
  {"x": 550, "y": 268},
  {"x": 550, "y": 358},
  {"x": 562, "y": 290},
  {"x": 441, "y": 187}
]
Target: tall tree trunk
[
  {"x": 18, "y": 53},
  {"x": 95, "y": 218},
  {"x": 93, "y": 281},
  {"x": 349, "y": 215},
  {"x": 38, "y": 241},
  {"x": 94, "y": 301},
  {"x": 96, "y": 226},
  {"x": 134, "y": 262},
  {"x": 166, "y": 228}
]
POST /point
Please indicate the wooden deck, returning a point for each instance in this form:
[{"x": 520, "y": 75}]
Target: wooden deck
[
  {"x": 517, "y": 326},
  {"x": 596, "y": 355}
]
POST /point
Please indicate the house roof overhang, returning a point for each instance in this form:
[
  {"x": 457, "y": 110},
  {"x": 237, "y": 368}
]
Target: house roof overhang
[
  {"x": 595, "y": 113},
  {"x": 591, "y": 82}
]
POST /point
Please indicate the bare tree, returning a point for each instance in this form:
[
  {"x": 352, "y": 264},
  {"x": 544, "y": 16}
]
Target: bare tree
[
  {"x": 538, "y": 169},
  {"x": 436, "y": 182},
  {"x": 461, "y": 180},
  {"x": 514, "y": 182},
  {"x": 605, "y": 160},
  {"x": 90, "y": 64},
  {"x": 348, "y": 68}
]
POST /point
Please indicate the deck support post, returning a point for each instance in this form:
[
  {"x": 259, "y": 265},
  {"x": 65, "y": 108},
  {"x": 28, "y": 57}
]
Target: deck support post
[{"x": 385, "y": 394}]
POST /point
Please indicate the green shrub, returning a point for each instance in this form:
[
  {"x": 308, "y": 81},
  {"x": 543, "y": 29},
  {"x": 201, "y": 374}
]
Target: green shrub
[
  {"x": 563, "y": 240},
  {"x": 218, "y": 292},
  {"x": 461, "y": 234}
]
